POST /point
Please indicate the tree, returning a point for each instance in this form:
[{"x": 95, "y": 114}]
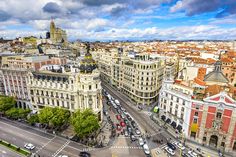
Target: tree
[
  {"x": 45, "y": 115},
  {"x": 54, "y": 117},
  {"x": 6, "y": 103},
  {"x": 34, "y": 118},
  {"x": 61, "y": 117},
  {"x": 84, "y": 122},
  {"x": 16, "y": 113}
]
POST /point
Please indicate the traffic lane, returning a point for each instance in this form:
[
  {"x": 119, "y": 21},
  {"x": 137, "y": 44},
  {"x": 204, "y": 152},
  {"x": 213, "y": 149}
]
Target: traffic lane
[
  {"x": 137, "y": 117},
  {"x": 20, "y": 137},
  {"x": 27, "y": 128},
  {"x": 52, "y": 147},
  {"x": 4, "y": 152}
]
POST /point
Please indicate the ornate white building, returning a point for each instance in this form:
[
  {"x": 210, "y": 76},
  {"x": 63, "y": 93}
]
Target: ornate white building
[{"x": 59, "y": 87}]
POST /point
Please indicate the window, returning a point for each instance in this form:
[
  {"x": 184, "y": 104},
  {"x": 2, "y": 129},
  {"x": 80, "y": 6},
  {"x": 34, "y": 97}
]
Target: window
[
  {"x": 183, "y": 102},
  {"x": 196, "y": 114},
  {"x": 195, "y": 120},
  {"x": 171, "y": 103},
  {"x": 177, "y": 100},
  {"x": 164, "y": 100},
  {"x": 182, "y": 109},
  {"x": 218, "y": 115},
  {"x": 90, "y": 87}
]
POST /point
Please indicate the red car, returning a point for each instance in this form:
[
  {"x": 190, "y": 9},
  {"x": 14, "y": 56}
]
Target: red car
[
  {"x": 118, "y": 117},
  {"x": 118, "y": 127},
  {"x": 122, "y": 124}
]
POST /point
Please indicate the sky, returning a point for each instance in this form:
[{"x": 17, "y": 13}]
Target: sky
[{"x": 103, "y": 20}]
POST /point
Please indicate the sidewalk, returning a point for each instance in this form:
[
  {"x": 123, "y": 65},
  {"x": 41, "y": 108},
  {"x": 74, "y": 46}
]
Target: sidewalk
[{"x": 208, "y": 151}]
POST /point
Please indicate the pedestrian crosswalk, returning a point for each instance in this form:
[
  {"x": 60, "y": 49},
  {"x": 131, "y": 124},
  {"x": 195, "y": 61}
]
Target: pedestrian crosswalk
[
  {"x": 125, "y": 147},
  {"x": 89, "y": 149}
]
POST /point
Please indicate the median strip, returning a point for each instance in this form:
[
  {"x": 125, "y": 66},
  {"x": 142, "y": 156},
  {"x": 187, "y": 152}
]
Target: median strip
[{"x": 15, "y": 148}]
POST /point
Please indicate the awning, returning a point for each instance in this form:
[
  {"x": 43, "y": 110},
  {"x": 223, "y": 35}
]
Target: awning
[
  {"x": 163, "y": 117},
  {"x": 179, "y": 128},
  {"x": 194, "y": 127},
  {"x": 173, "y": 124},
  {"x": 168, "y": 121}
]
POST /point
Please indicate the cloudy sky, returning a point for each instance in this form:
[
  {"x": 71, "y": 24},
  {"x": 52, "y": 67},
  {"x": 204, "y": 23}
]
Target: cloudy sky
[{"x": 121, "y": 19}]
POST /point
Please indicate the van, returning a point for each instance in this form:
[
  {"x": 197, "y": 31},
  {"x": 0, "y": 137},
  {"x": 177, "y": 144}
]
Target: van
[{"x": 146, "y": 149}]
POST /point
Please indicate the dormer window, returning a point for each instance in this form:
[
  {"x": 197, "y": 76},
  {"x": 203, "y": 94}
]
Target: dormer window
[{"x": 218, "y": 115}]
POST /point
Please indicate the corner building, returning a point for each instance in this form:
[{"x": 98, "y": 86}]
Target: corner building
[{"x": 66, "y": 89}]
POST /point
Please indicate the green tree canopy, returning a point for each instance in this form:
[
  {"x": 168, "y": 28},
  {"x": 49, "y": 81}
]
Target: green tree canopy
[
  {"x": 6, "y": 103},
  {"x": 33, "y": 119},
  {"x": 17, "y": 113},
  {"x": 54, "y": 117},
  {"x": 84, "y": 122}
]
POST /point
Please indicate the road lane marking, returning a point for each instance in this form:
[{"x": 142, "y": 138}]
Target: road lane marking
[
  {"x": 25, "y": 130},
  {"x": 45, "y": 144},
  {"x": 61, "y": 148}
]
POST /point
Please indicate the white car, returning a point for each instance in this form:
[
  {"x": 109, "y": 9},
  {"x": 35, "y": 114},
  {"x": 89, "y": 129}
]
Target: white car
[
  {"x": 179, "y": 145},
  {"x": 146, "y": 149},
  {"x": 170, "y": 151},
  {"x": 192, "y": 153},
  {"x": 63, "y": 156},
  {"x": 117, "y": 102},
  {"x": 140, "y": 141},
  {"x": 29, "y": 146},
  {"x": 137, "y": 132}
]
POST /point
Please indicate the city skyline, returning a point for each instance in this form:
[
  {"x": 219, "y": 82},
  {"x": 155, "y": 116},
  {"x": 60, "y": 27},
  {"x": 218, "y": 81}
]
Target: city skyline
[{"x": 121, "y": 20}]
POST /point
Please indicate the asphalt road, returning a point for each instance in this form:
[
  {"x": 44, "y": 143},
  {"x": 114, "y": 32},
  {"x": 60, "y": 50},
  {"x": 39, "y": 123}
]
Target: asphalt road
[
  {"x": 148, "y": 127},
  {"x": 4, "y": 152},
  {"x": 46, "y": 144}
]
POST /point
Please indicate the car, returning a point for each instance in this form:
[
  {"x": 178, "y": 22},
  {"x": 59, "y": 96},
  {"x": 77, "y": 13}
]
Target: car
[
  {"x": 29, "y": 146},
  {"x": 192, "y": 153},
  {"x": 133, "y": 124},
  {"x": 84, "y": 154},
  {"x": 179, "y": 145},
  {"x": 129, "y": 117},
  {"x": 125, "y": 112},
  {"x": 122, "y": 109},
  {"x": 63, "y": 156},
  {"x": 146, "y": 149},
  {"x": 105, "y": 112},
  {"x": 118, "y": 117},
  {"x": 126, "y": 133},
  {"x": 140, "y": 141},
  {"x": 170, "y": 151},
  {"x": 118, "y": 111},
  {"x": 122, "y": 124},
  {"x": 185, "y": 155},
  {"x": 118, "y": 127},
  {"x": 171, "y": 146},
  {"x": 122, "y": 116},
  {"x": 129, "y": 129},
  {"x": 137, "y": 131},
  {"x": 117, "y": 102},
  {"x": 126, "y": 121},
  {"x": 132, "y": 137}
]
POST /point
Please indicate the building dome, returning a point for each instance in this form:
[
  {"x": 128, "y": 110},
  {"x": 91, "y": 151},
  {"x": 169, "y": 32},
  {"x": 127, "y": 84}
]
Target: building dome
[{"x": 88, "y": 64}]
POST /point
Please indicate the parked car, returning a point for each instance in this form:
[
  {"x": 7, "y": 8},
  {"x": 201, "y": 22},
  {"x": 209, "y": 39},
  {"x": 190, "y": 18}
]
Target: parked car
[
  {"x": 122, "y": 124},
  {"x": 170, "y": 151},
  {"x": 140, "y": 141},
  {"x": 171, "y": 146},
  {"x": 118, "y": 110},
  {"x": 122, "y": 109},
  {"x": 146, "y": 149},
  {"x": 29, "y": 146},
  {"x": 125, "y": 112},
  {"x": 137, "y": 131},
  {"x": 63, "y": 156},
  {"x": 179, "y": 145},
  {"x": 192, "y": 153},
  {"x": 118, "y": 117},
  {"x": 84, "y": 154},
  {"x": 129, "y": 129}
]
